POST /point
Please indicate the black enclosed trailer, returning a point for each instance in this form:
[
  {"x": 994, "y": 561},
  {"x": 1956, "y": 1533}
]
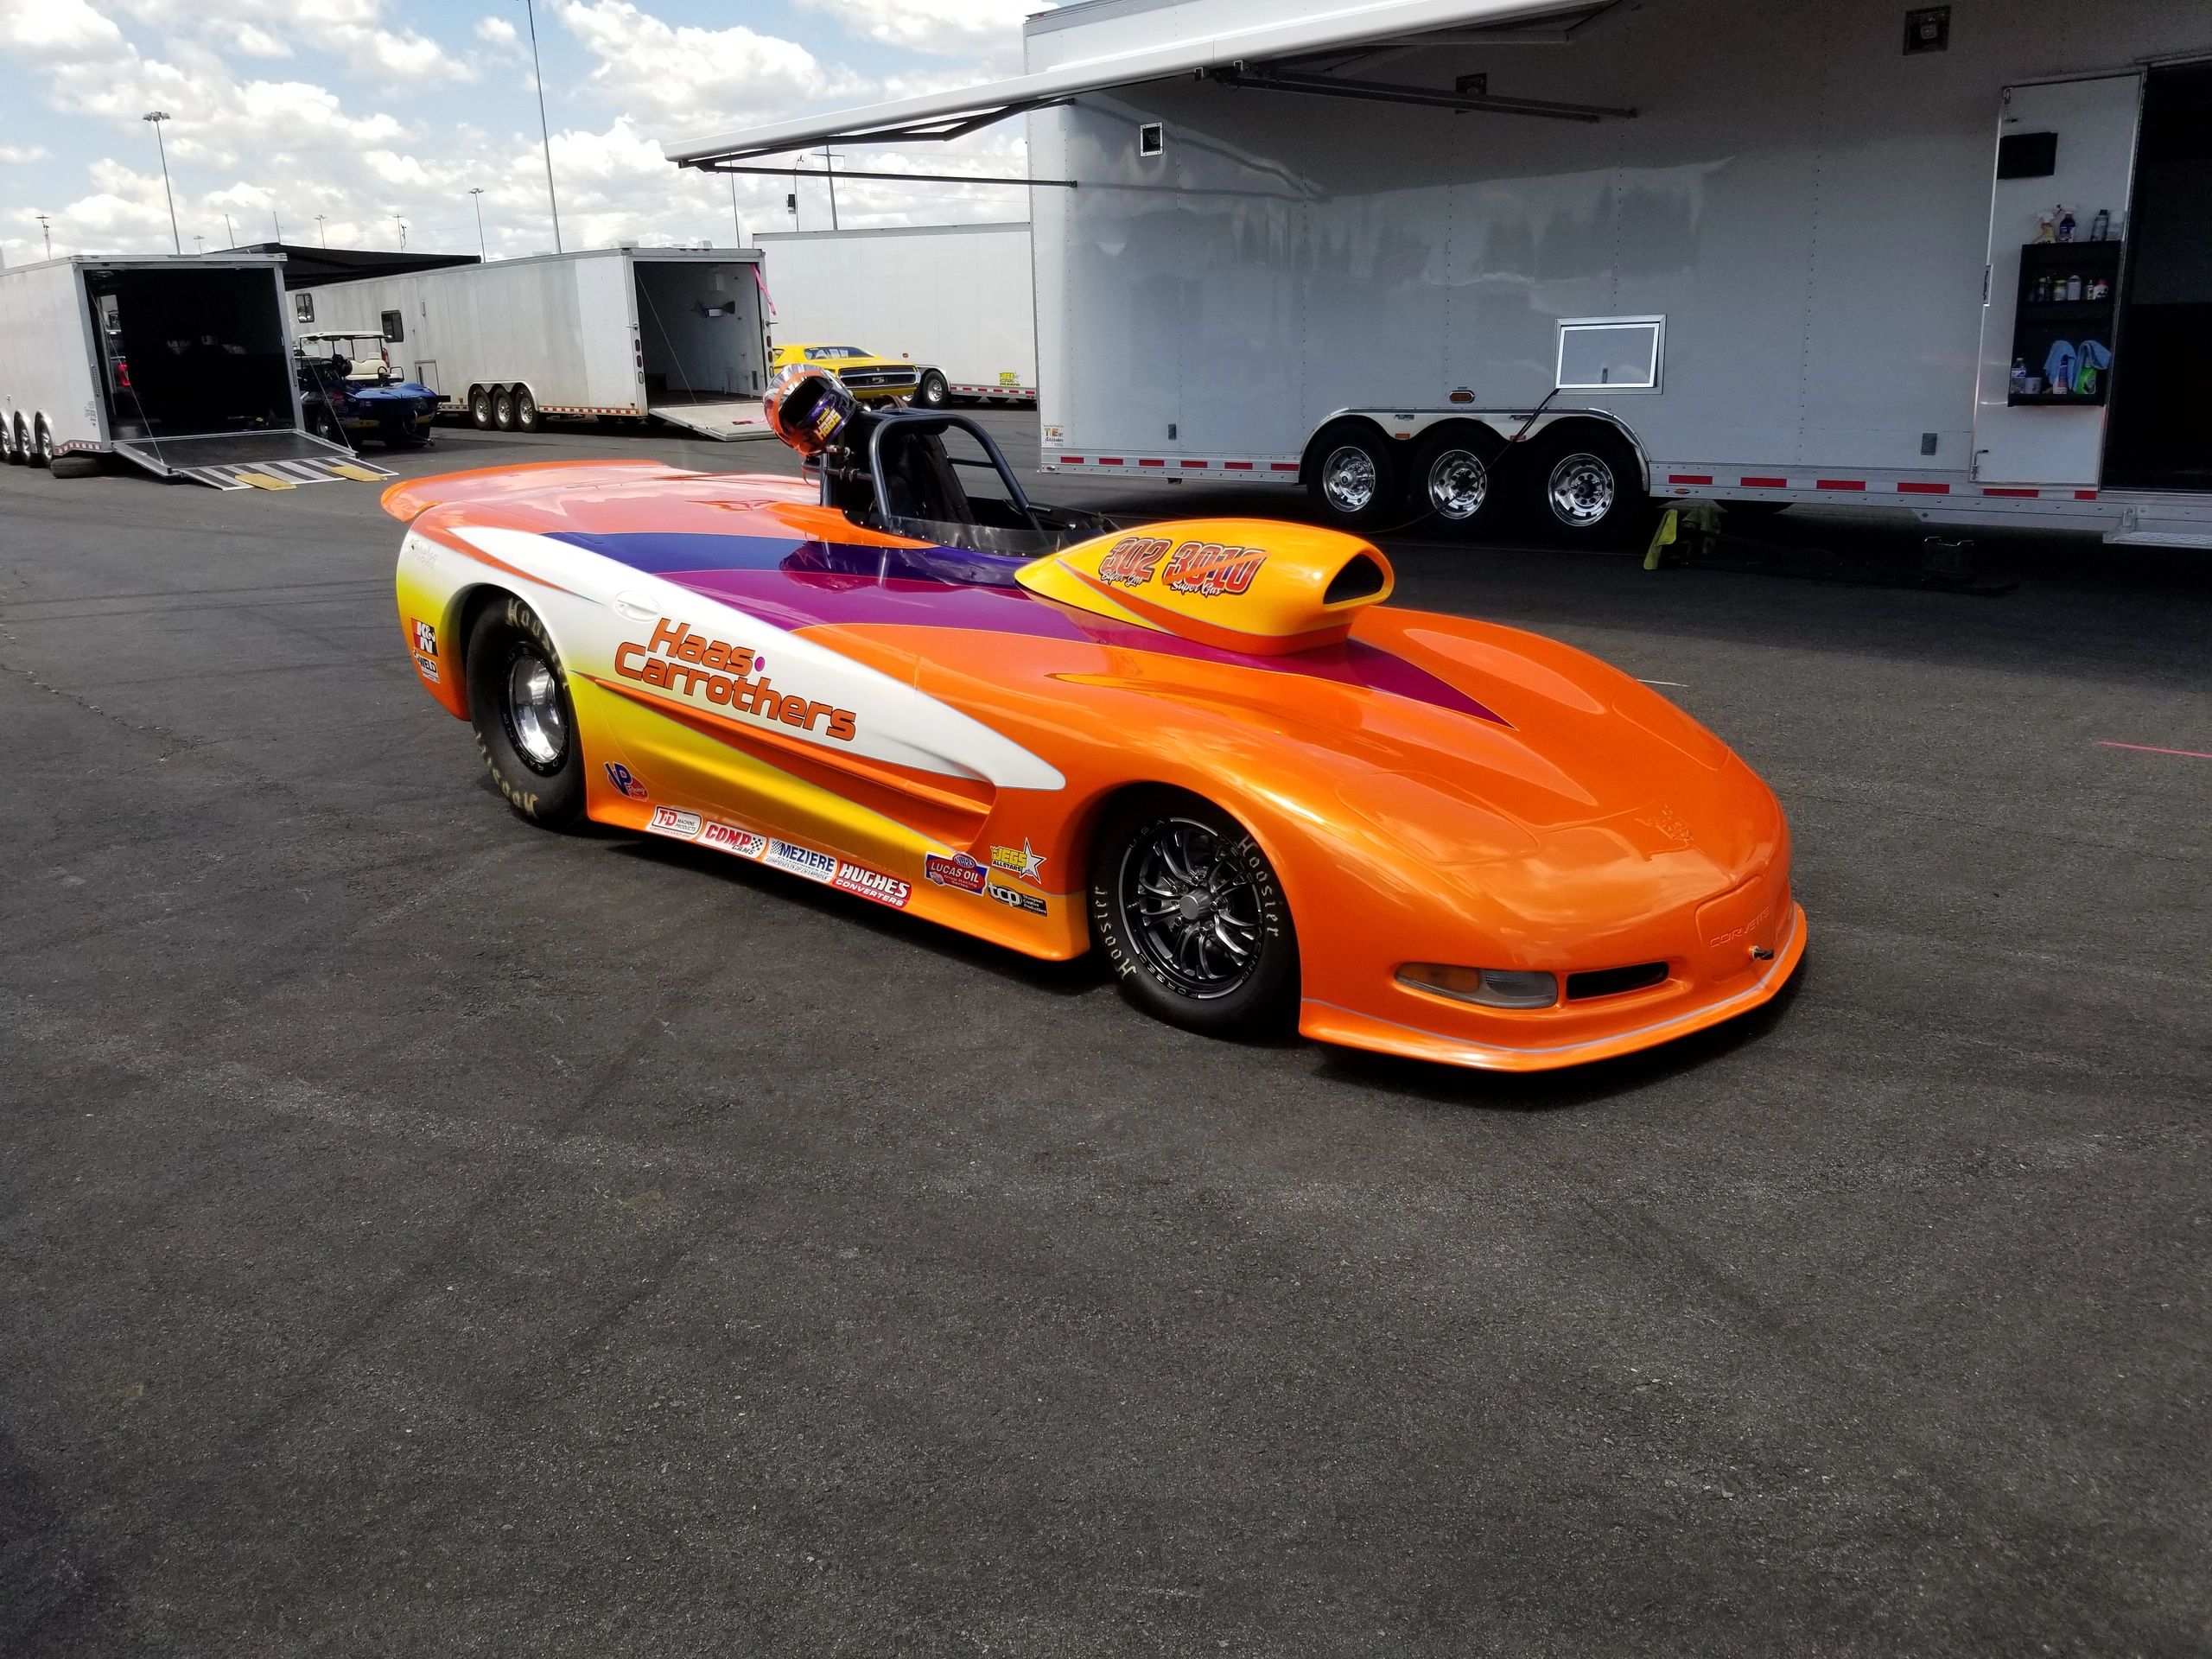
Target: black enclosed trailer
[{"x": 182, "y": 366}]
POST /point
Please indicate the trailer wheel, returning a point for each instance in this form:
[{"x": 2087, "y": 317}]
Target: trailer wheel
[
  {"x": 11, "y": 446},
  {"x": 502, "y": 409},
  {"x": 479, "y": 408},
  {"x": 1589, "y": 487},
  {"x": 42, "y": 446},
  {"x": 1352, "y": 475},
  {"x": 932, "y": 392},
  {"x": 526, "y": 410},
  {"x": 1455, "y": 479}
]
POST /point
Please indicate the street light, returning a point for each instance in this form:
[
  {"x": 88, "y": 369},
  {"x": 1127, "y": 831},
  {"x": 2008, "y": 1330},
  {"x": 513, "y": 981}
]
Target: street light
[
  {"x": 157, "y": 117},
  {"x": 46, "y": 228},
  {"x": 402, "y": 223},
  {"x": 321, "y": 230},
  {"x": 544, "y": 131},
  {"x": 476, "y": 194}
]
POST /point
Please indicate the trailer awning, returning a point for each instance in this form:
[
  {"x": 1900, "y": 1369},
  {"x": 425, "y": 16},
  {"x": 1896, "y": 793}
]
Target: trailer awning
[{"x": 1249, "y": 57}]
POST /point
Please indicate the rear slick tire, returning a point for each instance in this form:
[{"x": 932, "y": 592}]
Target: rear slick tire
[
  {"x": 525, "y": 724},
  {"x": 1188, "y": 913}
]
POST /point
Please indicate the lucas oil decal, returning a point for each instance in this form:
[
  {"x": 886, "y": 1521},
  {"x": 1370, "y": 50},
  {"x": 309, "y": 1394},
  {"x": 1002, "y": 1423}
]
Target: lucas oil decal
[
  {"x": 1204, "y": 570},
  {"x": 959, "y": 871},
  {"x": 677, "y": 659}
]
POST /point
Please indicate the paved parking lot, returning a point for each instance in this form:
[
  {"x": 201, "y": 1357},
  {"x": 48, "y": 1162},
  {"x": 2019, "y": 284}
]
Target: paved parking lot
[{"x": 422, "y": 1233}]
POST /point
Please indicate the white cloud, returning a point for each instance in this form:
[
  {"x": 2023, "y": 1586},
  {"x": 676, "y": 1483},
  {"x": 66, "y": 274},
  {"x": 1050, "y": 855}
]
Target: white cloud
[
  {"x": 947, "y": 27},
  {"x": 685, "y": 77},
  {"x": 497, "y": 31},
  {"x": 17, "y": 154}
]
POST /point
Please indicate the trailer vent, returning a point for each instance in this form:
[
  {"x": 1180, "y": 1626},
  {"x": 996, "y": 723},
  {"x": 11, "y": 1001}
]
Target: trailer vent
[{"x": 1152, "y": 139}]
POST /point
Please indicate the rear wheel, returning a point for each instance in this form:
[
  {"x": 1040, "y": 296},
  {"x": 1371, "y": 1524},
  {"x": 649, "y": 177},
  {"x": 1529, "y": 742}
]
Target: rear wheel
[
  {"x": 1354, "y": 476},
  {"x": 502, "y": 409},
  {"x": 480, "y": 407},
  {"x": 526, "y": 410},
  {"x": 42, "y": 446},
  {"x": 1590, "y": 488},
  {"x": 1191, "y": 917},
  {"x": 525, "y": 725},
  {"x": 1454, "y": 478},
  {"x": 934, "y": 391}
]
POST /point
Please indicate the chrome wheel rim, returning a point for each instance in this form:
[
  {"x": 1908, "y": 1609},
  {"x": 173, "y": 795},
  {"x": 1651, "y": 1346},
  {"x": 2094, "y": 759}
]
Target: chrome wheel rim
[
  {"x": 1193, "y": 912},
  {"x": 535, "y": 719},
  {"x": 1348, "y": 479},
  {"x": 1459, "y": 484},
  {"x": 1582, "y": 490}
]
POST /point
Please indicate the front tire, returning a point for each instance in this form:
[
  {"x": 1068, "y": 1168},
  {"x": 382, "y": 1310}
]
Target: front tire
[
  {"x": 934, "y": 391},
  {"x": 525, "y": 724},
  {"x": 1188, "y": 912},
  {"x": 1354, "y": 476}
]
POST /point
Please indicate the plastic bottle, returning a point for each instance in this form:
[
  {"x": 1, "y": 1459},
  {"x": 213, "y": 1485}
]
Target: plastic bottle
[
  {"x": 2019, "y": 375},
  {"x": 2074, "y": 287},
  {"x": 2065, "y": 228},
  {"x": 2100, "y": 226}
]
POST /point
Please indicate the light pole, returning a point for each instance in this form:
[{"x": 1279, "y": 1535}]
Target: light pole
[
  {"x": 476, "y": 195},
  {"x": 46, "y": 228},
  {"x": 321, "y": 230},
  {"x": 544, "y": 131},
  {"x": 830, "y": 172},
  {"x": 402, "y": 223},
  {"x": 230, "y": 236},
  {"x": 735, "y": 224},
  {"x": 157, "y": 117},
  {"x": 198, "y": 243}
]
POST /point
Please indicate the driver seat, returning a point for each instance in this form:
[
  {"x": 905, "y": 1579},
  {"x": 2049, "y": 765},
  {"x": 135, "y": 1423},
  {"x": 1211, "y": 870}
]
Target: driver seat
[{"x": 919, "y": 482}]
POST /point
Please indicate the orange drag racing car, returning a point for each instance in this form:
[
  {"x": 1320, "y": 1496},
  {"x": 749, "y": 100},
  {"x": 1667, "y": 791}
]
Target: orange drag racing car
[{"x": 1209, "y": 750}]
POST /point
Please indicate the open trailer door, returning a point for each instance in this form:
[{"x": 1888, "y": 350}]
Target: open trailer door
[
  {"x": 199, "y": 377},
  {"x": 700, "y": 347}
]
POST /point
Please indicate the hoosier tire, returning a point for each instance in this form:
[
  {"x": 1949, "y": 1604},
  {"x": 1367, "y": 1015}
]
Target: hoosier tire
[
  {"x": 525, "y": 725},
  {"x": 1189, "y": 915}
]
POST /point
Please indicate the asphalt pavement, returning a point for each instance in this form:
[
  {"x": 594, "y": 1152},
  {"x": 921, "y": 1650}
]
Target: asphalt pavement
[{"x": 420, "y": 1233}]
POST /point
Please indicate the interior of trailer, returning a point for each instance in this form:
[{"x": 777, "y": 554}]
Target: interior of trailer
[
  {"x": 699, "y": 330},
  {"x": 186, "y": 351},
  {"x": 2159, "y": 433}
]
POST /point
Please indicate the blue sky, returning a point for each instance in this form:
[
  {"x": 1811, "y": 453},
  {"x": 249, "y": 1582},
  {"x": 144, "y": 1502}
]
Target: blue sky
[{"x": 372, "y": 112}]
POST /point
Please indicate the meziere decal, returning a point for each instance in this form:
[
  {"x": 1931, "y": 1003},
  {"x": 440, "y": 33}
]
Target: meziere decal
[
  {"x": 677, "y": 659},
  {"x": 802, "y": 861}
]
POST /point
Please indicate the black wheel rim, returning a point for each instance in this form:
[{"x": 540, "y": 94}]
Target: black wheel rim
[{"x": 1193, "y": 911}]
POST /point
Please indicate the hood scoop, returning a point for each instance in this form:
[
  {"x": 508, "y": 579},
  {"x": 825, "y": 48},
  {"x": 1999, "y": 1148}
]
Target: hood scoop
[{"x": 1241, "y": 584}]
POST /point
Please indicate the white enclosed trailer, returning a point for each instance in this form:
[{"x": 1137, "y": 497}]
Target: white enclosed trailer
[
  {"x": 181, "y": 365},
  {"x": 636, "y": 334},
  {"x": 1460, "y": 253},
  {"x": 956, "y": 299}
]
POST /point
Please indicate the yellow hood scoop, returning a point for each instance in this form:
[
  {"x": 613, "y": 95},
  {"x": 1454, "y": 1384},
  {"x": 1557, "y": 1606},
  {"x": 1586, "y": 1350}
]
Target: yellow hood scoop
[{"x": 1242, "y": 584}]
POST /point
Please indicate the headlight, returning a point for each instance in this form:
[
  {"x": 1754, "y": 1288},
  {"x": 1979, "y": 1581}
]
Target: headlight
[{"x": 1493, "y": 988}]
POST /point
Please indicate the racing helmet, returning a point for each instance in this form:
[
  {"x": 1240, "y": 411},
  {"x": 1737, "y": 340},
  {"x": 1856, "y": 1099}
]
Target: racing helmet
[{"x": 808, "y": 407}]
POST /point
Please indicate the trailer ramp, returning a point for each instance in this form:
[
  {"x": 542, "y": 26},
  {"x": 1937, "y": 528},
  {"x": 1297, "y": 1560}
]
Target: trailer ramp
[
  {"x": 250, "y": 461},
  {"x": 730, "y": 420}
]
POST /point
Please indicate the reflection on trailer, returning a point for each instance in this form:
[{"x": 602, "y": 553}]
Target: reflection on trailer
[{"x": 626, "y": 334}]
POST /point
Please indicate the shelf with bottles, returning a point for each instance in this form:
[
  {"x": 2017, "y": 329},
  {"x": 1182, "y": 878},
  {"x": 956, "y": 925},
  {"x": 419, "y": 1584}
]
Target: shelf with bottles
[{"x": 2059, "y": 399}]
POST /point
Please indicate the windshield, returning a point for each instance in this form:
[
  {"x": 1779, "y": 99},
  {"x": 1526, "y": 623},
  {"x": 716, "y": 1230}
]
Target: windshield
[{"x": 819, "y": 352}]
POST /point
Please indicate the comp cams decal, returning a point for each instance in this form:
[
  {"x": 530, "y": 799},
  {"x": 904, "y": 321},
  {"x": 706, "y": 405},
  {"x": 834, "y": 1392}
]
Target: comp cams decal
[
  {"x": 677, "y": 659},
  {"x": 679, "y": 825}
]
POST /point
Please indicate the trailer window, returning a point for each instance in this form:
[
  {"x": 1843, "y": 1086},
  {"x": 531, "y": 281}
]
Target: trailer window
[
  {"x": 393, "y": 330},
  {"x": 303, "y": 306},
  {"x": 1610, "y": 353}
]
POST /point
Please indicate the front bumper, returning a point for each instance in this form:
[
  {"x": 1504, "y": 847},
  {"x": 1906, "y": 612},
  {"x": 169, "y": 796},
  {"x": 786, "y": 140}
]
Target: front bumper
[{"x": 1524, "y": 1043}]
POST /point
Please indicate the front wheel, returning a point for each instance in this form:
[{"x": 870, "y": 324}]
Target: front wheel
[
  {"x": 1190, "y": 916},
  {"x": 1354, "y": 479},
  {"x": 934, "y": 391},
  {"x": 525, "y": 725}
]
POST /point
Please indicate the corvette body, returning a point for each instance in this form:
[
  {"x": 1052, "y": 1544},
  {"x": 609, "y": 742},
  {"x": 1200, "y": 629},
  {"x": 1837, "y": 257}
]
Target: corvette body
[{"x": 939, "y": 730}]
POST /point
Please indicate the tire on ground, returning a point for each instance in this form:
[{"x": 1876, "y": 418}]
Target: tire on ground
[
  {"x": 479, "y": 408},
  {"x": 507, "y": 645},
  {"x": 503, "y": 408},
  {"x": 934, "y": 391},
  {"x": 11, "y": 446},
  {"x": 1587, "y": 485},
  {"x": 43, "y": 445},
  {"x": 526, "y": 410},
  {"x": 1147, "y": 905},
  {"x": 1352, "y": 475},
  {"x": 1454, "y": 479}
]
